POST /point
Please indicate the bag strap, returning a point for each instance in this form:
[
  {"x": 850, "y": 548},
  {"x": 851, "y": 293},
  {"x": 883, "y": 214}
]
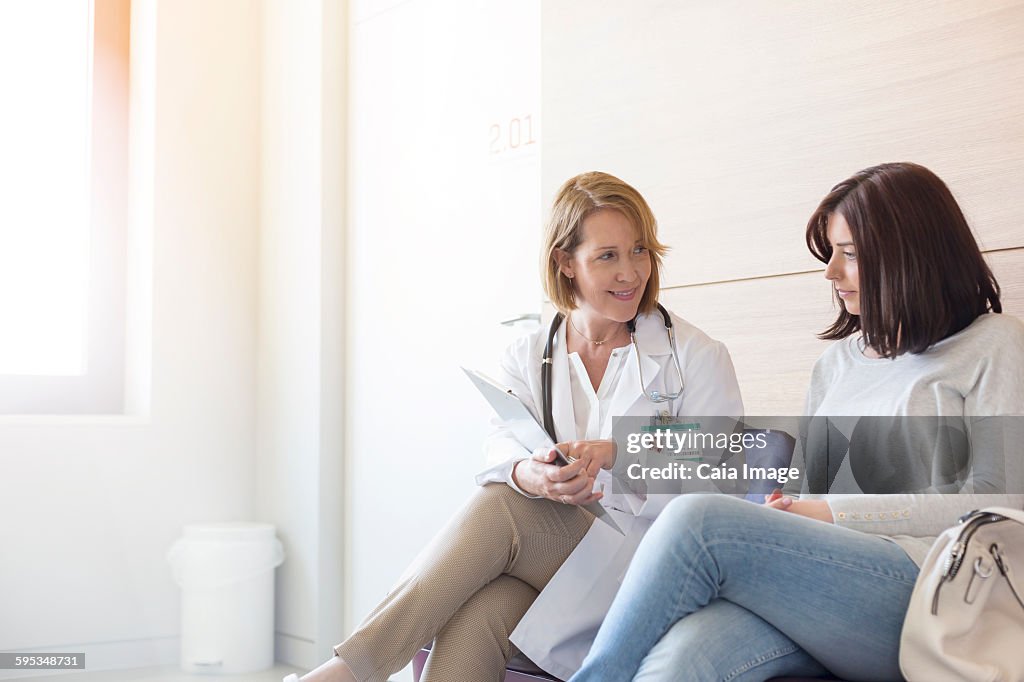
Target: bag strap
[
  {"x": 1004, "y": 568},
  {"x": 1009, "y": 512}
]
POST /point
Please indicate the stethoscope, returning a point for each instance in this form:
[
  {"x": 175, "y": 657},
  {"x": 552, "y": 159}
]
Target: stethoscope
[{"x": 653, "y": 396}]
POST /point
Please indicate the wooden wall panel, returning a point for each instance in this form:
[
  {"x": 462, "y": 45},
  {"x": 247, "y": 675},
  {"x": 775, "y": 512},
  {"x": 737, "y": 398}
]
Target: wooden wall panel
[
  {"x": 734, "y": 118},
  {"x": 769, "y": 326}
]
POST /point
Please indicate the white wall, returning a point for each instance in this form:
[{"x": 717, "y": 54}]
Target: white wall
[
  {"x": 88, "y": 507},
  {"x": 301, "y": 317}
]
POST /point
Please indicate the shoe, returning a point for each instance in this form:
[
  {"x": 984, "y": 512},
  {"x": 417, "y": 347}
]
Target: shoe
[{"x": 291, "y": 678}]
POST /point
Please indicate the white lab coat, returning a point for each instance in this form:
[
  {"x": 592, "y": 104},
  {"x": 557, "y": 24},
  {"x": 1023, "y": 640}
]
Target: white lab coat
[{"x": 557, "y": 631}]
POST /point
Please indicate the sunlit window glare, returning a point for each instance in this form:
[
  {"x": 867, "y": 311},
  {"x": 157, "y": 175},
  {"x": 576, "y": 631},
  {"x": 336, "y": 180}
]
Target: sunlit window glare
[{"x": 44, "y": 185}]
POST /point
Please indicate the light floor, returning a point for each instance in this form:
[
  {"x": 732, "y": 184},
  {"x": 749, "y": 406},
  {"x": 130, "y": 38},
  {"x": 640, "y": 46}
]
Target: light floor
[{"x": 165, "y": 674}]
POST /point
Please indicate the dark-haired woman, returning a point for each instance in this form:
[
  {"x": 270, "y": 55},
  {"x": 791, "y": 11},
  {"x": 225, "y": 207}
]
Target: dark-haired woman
[{"x": 816, "y": 586}]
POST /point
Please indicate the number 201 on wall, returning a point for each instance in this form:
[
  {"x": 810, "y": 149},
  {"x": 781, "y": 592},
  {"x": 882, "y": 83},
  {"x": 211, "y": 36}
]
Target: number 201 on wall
[{"x": 515, "y": 134}]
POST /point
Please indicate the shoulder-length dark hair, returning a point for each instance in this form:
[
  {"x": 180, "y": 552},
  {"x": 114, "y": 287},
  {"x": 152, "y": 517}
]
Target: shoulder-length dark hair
[{"x": 922, "y": 276}]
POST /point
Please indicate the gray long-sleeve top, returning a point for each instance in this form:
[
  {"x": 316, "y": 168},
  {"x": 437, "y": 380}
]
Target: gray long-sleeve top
[{"x": 976, "y": 373}]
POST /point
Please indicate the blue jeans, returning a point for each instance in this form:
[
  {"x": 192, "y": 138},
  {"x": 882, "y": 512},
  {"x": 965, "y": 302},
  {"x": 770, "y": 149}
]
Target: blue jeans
[{"x": 737, "y": 591}]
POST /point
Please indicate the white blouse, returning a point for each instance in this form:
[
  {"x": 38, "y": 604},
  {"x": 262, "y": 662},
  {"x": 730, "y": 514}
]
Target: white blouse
[{"x": 590, "y": 407}]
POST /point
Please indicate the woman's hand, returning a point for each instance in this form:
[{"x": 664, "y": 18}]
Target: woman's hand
[
  {"x": 812, "y": 509},
  {"x": 571, "y": 484},
  {"x": 597, "y": 454}
]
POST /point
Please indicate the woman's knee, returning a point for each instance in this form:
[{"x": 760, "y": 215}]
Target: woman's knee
[{"x": 697, "y": 512}]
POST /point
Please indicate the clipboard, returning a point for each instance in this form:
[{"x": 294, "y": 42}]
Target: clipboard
[{"x": 526, "y": 429}]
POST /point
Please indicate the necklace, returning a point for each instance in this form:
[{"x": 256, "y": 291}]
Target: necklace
[{"x": 596, "y": 343}]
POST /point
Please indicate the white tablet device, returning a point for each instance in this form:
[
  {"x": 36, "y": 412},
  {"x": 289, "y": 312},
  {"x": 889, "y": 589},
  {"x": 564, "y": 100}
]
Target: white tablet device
[{"x": 525, "y": 428}]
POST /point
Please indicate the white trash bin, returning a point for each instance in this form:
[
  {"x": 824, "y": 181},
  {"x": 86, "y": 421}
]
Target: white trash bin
[{"x": 226, "y": 574}]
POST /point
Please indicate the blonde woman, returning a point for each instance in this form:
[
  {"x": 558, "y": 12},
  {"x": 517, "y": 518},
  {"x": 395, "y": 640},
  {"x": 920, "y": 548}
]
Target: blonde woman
[{"x": 523, "y": 563}]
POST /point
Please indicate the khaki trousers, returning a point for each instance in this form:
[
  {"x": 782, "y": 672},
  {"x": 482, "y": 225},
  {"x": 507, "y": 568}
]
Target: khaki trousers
[{"x": 468, "y": 589}]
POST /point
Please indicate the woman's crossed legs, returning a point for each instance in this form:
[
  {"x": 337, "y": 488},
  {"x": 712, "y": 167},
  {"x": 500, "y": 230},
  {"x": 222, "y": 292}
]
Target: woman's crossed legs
[
  {"x": 468, "y": 588},
  {"x": 760, "y": 592}
]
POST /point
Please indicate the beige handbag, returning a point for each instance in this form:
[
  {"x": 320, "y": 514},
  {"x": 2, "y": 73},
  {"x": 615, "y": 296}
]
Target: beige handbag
[{"x": 966, "y": 615}]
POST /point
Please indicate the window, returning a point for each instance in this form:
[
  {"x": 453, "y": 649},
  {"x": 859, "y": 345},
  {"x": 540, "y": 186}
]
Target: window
[{"x": 63, "y": 205}]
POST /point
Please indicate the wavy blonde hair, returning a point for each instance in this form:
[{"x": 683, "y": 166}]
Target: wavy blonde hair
[{"x": 578, "y": 198}]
